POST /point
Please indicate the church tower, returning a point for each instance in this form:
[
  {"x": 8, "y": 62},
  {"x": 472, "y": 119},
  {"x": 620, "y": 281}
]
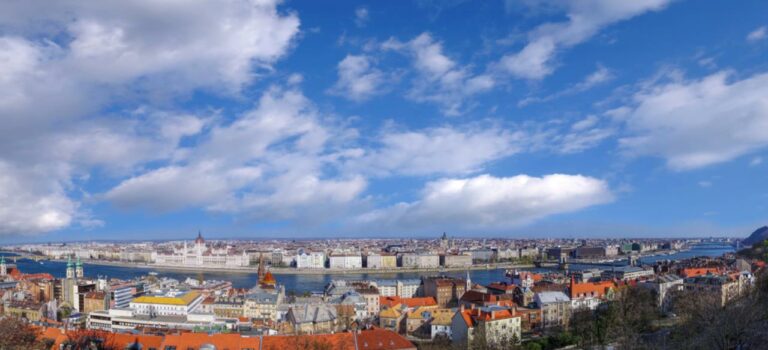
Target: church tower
[
  {"x": 70, "y": 268},
  {"x": 262, "y": 268},
  {"x": 3, "y": 267},
  {"x": 79, "y": 269}
]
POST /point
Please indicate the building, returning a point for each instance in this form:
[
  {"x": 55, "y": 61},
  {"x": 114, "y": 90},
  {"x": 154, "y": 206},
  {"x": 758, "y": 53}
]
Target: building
[
  {"x": 555, "y": 308},
  {"x": 457, "y": 260},
  {"x": 440, "y": 325},
  {"x": 200, "y": 254},
  {"x": 310, "y": 260},
  {"x": 663, "y": 287},
  {"x": 496, "y": 325},
  {"x": 381, "y": 261},
  {"x": 446, "y": 290},
  {"x": 482, "y": 255},
  {"x": 422, "y": 261},
  {"x": 387, "y": 288},
  {"x": 417, "y": 321},
  {"x": 121, "y": 295},
  {"x": 391, "y": 318},
  {"x": 346, "y": 262},
  {"x": 28, "y": 310},
  {"x": 167, "y": 303},
  {"x": 721, "y": 288},
  {"x": 409, "y": 288},
  {"x": 127, "y": 320},
  {"x": 627, "y": 273},
  {"x": 312, "y": 319},
  {"x": 589, "y": 294},
  {"x": 95, "y": 301}
]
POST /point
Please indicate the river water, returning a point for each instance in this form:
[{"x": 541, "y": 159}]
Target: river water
[{"x": 314, "y": 282}]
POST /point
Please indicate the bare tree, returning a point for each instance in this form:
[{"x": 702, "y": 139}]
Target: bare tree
[{"x": 16, "y": 334}]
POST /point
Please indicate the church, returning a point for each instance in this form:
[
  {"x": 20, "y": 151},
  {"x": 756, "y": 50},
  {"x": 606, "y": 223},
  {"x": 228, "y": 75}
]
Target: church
[{"x": 200, "y": 254}]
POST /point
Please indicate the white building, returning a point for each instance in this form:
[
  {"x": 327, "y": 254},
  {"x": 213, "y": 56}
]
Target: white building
[
  {"x": 200, "y": 255},
  {"x": 310, "y": 260},
  {"x": 421, "y": 260},
  {"x": 167, "y": 303},
  {"x": 408, "y": 288},
  {"x": 346, "y": 261}
]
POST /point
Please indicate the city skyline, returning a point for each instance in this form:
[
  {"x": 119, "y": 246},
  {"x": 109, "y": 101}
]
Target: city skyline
[{"x": 308, "y": 120}]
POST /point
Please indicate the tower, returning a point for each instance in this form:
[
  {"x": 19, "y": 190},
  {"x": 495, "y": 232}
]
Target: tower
[
  {"x": 444, "y": 241},
  {"x": 3, "y": 267},
  {"x": 469, "y": 283},
  {"x": 79, "y": 269},
  {"x": 261, "y": 267},
  {"x": 70, "y": 268}
]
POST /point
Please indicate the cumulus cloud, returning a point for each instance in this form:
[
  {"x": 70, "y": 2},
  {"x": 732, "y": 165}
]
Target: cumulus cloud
[
  {"x": 696, "y": 123},
  {"x": 268, "y": 164},
  {"x": 537, "y": 58},
  {"x": 758, "y": 34},
  {"x": 440, "y": 79},
  {"x": 442, "y": 150},
  {"x": 63, "y": 63},
  {"x": 486, "y": 202},
  {"x": 358, "y": 78}
]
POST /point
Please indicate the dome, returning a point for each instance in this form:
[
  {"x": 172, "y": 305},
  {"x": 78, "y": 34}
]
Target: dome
[{"x": 269, "y": 279}]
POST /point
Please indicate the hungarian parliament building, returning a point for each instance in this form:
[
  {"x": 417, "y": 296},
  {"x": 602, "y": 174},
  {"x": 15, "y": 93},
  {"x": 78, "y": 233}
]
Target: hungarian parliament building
[{"x": 200, "y": 255}]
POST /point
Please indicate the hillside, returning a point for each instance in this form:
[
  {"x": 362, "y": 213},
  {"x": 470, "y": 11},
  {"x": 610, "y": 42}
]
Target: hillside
[{"x": 759, "y": 235}]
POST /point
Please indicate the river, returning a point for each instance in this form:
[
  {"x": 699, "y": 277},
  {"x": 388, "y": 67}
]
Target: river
[{"x": 313, "y": 282}]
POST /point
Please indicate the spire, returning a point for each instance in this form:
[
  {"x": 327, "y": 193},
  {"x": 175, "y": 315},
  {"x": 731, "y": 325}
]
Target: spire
[
  {"x": 69, "y": 261},
  {"x": 79, "y": 263},
  {"x": 2, "y": 259}
]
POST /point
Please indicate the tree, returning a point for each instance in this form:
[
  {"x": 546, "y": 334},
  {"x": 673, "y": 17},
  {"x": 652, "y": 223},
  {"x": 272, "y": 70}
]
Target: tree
[
  {"x": 705, "y": 324},
  {"x": 15, "y": 334}
]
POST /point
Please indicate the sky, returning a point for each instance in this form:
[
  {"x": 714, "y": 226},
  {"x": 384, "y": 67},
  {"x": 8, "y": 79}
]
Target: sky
[{"x": 298, "y": 119}]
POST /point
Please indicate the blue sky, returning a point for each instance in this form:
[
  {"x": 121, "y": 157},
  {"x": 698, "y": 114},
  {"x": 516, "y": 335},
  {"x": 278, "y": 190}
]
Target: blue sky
[{"x": 264, "y": 119}]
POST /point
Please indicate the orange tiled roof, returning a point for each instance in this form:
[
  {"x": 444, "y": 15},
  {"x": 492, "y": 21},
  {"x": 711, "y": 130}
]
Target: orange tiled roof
[
  {"x": 699, "y": 271},
  {"x": 590, "y": 289},
  {"x": 419, "y": 301},
  {"x": 374, "y": 339}
]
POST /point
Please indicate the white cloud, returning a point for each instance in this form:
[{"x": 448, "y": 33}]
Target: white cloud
[
  {"x": 697, "y": 123},
  {"x": 361, "y": 16},
  {"x": 62, "y": 63},
  {"x": 756, "y": 161},
  {"x": 440, "y": 80},
  {"x": 705, "y": 184},
  {"x": 442, "y": 150},
  {"x": 358, "y": 79},
  {"x": 29, "y": 203},
  {"x": 758, "y": 34},
  {"x": 267, "y": 164},
  {"x": 600, "y": 76},
  {"x": 485, "y": 202},
  {"x": 184, "y": 43},
  {"x": 585, "y": 19}
]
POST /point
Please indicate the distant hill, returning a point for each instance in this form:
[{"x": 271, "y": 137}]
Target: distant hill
[{"x": 759, "y": 235}]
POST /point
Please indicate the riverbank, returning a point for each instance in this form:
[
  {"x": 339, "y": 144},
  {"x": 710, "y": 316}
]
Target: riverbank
[{"x": 294, "y": 271}]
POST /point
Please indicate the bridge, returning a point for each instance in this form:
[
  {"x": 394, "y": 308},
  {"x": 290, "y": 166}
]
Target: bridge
[{"x": 22, "y": 255}]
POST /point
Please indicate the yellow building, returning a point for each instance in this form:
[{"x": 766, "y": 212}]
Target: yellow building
[{"x": 167, "y": 303}]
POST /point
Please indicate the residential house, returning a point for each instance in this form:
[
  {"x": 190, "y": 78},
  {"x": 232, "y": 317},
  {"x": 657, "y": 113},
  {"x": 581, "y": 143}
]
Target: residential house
[{"x": 555, "y": 308}]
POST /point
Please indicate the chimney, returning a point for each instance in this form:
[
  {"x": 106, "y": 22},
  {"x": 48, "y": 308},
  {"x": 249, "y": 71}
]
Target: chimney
[{"x": 493, "y": 315}]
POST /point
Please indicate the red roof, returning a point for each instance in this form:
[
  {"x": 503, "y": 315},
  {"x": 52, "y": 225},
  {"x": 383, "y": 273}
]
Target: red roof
[
  {"x": 589, "y": 289},
  {"x": 699, "y": 271},
  {"x": 375, "y": 339},
  {"x": 408, "y": 302}
]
